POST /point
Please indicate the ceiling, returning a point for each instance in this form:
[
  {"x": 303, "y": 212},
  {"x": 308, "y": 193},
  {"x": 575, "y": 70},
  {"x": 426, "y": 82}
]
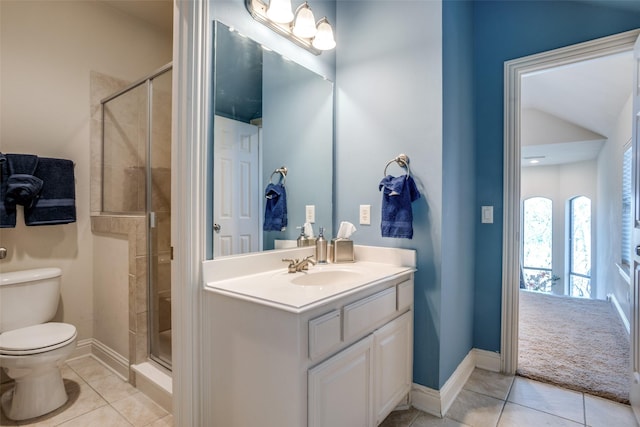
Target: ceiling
[{"x": 569, "y": 111}]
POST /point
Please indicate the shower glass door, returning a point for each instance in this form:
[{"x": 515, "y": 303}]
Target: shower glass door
[{"x": 159, "y": 211}]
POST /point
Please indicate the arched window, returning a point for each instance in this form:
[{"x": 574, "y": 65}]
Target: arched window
[
  {"x": 537, "y": 233},
  {"x": 580, "y": 247}
]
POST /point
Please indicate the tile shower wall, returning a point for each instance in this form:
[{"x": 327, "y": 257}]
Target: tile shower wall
[{"x": 132, "y": 227}]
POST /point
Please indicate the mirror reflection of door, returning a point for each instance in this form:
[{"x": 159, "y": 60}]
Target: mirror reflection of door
[{"x": 236, "y": 188}]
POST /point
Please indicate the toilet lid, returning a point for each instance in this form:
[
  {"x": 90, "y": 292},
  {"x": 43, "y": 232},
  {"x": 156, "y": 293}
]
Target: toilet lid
[{"x": 37, "y": 338}]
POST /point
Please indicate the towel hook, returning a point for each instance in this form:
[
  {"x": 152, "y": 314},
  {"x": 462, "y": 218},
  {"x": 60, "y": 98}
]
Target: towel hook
[
  {"x": 283, "y": 174},
  {"x": 402, "y": 160}
]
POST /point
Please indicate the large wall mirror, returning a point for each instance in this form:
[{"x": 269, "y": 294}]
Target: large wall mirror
[{"x": 269, "y": 113}]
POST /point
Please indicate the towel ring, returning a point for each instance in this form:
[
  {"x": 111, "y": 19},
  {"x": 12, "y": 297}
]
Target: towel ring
[
  {"x": 402, "y": 160},
  {"x": 283, "y": 174}
]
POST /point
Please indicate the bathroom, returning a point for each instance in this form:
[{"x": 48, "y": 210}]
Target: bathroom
[{"x": 405, "y": 114}]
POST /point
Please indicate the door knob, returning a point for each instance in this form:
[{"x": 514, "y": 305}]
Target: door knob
[
  {"x": 638, "y": 250},
  {"x": 217, "y": 227}
]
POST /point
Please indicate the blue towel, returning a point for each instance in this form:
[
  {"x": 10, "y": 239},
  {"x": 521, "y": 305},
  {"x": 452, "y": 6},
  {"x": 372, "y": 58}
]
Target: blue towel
[
  {"x": 7, "y": 211},
  {"x": 22, "y": 185},
  {"x": 275, "y": 210},
  {"x": 56, "y": 203},
  {"x": 397, "y": 195}
]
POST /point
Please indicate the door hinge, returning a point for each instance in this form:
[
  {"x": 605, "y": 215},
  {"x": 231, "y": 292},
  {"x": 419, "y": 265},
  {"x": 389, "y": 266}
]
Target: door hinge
[{"x": 171, "y": 253}]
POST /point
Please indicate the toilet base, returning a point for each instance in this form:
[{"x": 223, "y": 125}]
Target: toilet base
[{"x": 35, "y": 395}]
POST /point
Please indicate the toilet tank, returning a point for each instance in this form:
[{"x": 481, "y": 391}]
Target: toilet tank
[{"x": 28, "y": 297}]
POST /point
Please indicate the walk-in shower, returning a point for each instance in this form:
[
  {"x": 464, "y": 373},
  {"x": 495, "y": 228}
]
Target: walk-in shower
[{"x": 136, "y": 180}]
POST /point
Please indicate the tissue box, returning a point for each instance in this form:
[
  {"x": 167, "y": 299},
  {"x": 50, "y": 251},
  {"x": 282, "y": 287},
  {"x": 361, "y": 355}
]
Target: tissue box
[{"x": 342, "y": 250}]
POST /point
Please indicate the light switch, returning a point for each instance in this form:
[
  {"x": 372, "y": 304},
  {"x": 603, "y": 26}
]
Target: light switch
[
  {"x": 310, "y": 213},
  {"x": 365, "y": 214},
  {"x": 487, "y": 214}
]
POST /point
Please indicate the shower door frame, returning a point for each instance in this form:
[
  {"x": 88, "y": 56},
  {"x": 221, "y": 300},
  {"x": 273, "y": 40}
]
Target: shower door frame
[{"x": 148, "y": 213}]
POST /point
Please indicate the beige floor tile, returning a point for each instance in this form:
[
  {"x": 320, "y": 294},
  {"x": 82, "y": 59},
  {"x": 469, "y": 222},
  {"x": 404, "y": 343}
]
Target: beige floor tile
[
  {"x": 402, "y": 418},
  {"x": 515, "y": 415},
  {"x": 428, "y": 420},
  {"x": 548, "y": 398},
  {"x": 139, "y": 410},
  {"x": 475, "y": 409},
  {"x": 606, "y": 413},
  {"x": 492, "y": 384},
  {"x": 89, "y": 368},
  {"x": 104, "y": 416},
  {"x": 71, "y": 375},
  {"x": 82, "y": 399},
  {"x": 163, "y": 422},
  {"x": 112, "y": 388}
]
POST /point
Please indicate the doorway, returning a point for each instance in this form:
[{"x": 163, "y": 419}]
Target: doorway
[{"x": 514, "y": 72}]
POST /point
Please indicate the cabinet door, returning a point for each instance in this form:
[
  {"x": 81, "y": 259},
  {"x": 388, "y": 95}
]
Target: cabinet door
[
  {"x": 341, "y": 388},
  {"x": 393, "y": 356}
]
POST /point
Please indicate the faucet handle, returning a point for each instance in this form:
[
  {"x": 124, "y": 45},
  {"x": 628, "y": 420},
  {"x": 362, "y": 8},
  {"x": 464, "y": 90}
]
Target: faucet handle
[{"x": 290, "y": 261}]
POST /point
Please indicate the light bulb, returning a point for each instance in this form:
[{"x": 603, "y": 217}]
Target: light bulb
[
  {"x": 324, "y": 37},
  {"x": 305, "y": 23},
  {"x": 280, "y": 11}
]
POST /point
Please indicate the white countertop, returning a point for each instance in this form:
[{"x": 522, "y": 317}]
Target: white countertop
[{"x": 277, "y": 288}]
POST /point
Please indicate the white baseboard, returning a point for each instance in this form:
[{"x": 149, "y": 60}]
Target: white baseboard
[
  {"x": 83, "y": 348},
  {"x": 114, "y": 360},
  {"x": 623, "y": 316},
  {"x": 438, "y": 402},
  {"x": 487, "y": 360}
]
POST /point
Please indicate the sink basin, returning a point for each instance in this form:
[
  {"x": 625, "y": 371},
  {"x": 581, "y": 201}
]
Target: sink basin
[{"x": 326, "y": 277}]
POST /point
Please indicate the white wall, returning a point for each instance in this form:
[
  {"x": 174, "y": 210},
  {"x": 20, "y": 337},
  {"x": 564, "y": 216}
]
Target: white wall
[
  {"x": 610, "y": 205},
  {"x": 48, "y": 50},
  {"x": 561, "y": 183}
]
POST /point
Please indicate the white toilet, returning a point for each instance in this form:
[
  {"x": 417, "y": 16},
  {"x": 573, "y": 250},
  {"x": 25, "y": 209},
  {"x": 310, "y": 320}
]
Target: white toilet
[{"x": 32, "y": 350}]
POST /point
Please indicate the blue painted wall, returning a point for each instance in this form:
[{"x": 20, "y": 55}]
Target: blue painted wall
[
  {"x": 458, "y": 155},
  {"x": 389, "y": 101},
  {"x": 505, "y": 30}
]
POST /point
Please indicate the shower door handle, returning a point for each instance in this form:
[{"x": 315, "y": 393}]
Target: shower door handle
[{"x": 217, "y": 228}]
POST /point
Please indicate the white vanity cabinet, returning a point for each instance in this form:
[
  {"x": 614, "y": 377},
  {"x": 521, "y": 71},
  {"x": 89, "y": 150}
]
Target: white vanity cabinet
[
  {"x": 362, "y": 384},
  {"x": 343, "y": 363}
]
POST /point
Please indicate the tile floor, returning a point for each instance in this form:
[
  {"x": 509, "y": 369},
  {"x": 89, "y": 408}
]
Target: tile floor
[
  {"x": 491, "y": 399},
  {"x": 98, "y": 397}
]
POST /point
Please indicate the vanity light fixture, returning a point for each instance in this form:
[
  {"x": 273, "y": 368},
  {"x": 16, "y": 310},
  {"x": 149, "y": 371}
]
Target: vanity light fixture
[
  {"x": 279, "y": 11},
  {"x": 305, "y": 23},
  {"x": 300, "y": 27}
]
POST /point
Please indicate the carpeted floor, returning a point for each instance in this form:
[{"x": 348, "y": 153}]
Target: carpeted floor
[{"x": 576, "y": 343}]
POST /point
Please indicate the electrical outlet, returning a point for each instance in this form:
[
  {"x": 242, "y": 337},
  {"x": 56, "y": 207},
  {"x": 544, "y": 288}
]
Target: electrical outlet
[
  {"x": 365, "y": 214},
  {"x": 310, "y": 213}
]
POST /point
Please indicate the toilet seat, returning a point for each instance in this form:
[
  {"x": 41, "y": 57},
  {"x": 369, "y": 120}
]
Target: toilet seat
[{"x": 36, "y": 339}]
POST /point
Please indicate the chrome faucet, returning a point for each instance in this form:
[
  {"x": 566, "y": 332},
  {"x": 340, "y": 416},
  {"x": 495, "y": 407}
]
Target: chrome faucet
[{"x": 296, "y": 265}]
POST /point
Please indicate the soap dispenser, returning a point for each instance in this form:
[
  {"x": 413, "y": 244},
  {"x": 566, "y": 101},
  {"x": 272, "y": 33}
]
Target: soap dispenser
[
  {"x": 321, "y": 248},
  {"x": 302, "y": 238}
]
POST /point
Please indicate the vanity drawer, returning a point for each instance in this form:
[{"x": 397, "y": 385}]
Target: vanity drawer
[
  {"x": 405, "y": 294},
  {"x": 324, "y": 333},
  {"x": 364, "y": 315}
]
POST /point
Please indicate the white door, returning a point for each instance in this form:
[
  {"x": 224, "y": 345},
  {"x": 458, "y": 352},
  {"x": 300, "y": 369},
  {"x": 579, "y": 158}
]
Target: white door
[
  {"x": 235, "y": 188},
  {"x": 341, "y": 389},
  {"x": 635, "y": 241}
]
